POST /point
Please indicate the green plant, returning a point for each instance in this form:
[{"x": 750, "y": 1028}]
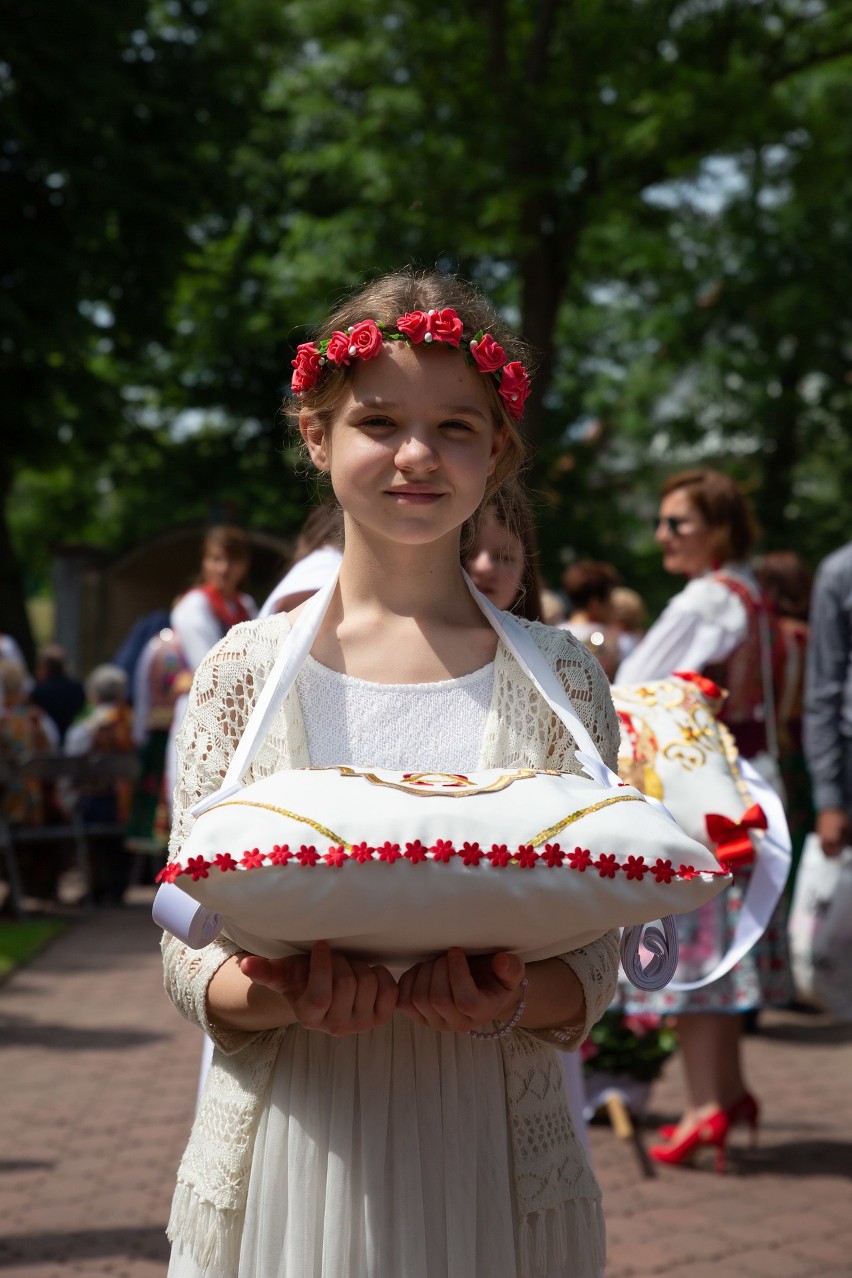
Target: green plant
[{"x": 636, "y": 1046}]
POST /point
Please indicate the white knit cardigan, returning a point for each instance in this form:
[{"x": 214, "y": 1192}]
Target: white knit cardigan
[{"x": 557, "y": 1197}]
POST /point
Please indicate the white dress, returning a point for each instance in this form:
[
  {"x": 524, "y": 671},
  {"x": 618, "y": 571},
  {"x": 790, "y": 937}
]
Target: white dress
[{"x": 384, "y": 1154}]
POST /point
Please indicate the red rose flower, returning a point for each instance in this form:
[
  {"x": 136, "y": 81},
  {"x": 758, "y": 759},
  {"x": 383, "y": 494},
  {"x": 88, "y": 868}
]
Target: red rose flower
[
  {"x": 663, "y": 871},
  {"x": 224, "y": 861},
  {"x": 635, "y": 867},
  {"x": 579, "y": 859},
  {"x": 488, "y": 354},
  {"x": 499, "y": 854},
  {"x": 366, "y": 337},
  {"x": 445, "y": 326},
  {"x": 197, "y": 867},
  {"x": 280, "y": 855},
  {"x": 307, "y": 855},
  {"x": 414, "y": 325},
  {"x": 307, "y": 366},
  {"x": 442, "y": 850},
  {"x": 415, "y": 852},
  {"x": 514, "y": 388},
  {"x": 252, "y": 860},
  {"x": 389, "y": 852},
  {"x": 553, "y": 855},
  {"x": 471, "y": 853},
  {"x": 527, "y": 856},
  {"x": 338, "y": 348},
  {"x": 606, "y": 865},
  {"x": 335, "y": 856}
]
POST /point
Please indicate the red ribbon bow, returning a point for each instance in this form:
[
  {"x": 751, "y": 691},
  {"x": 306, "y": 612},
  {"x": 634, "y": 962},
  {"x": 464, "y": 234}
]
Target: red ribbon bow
[
  {"x": 733, "y": 843},
  {"x": 711, "y": 690}
]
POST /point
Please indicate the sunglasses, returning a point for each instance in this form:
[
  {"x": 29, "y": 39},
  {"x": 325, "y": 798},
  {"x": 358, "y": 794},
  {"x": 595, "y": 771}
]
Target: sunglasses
[{"x": 674, "y": 523}]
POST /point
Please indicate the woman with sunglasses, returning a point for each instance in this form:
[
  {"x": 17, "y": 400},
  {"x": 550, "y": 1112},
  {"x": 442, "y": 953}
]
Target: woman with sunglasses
[{"x": 720, "y": 625}]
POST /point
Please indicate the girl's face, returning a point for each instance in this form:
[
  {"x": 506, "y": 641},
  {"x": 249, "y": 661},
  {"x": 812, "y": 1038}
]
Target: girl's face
[
  {"x": 411, "y": 445},
  {"x": 687, "y": 541},
  {"x": 497, "y": 565},
  {"x": 219, "y": 569}
]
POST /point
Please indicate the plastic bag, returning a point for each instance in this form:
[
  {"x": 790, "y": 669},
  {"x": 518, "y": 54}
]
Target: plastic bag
[{"x": 820, "y": 930}]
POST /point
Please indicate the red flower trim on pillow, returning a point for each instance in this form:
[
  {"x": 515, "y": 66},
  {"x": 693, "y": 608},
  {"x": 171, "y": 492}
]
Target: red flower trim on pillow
[
  {"x": 442, "y": 851},
  {"x": 471, "y": 853}
]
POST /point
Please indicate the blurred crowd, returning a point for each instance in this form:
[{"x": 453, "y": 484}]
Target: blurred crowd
[{"x": 762, "y": 628}]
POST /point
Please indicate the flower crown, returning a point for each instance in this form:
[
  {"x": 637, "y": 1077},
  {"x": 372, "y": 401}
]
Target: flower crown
[{"x": 364, "y": 341}]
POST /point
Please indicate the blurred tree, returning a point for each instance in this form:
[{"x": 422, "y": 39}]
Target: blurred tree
[
  {"x": 117, "y": 123},
  {"x": 523, "y": 145}
]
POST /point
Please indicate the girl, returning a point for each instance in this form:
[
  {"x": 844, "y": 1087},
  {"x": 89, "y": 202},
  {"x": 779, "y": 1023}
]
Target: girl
[
  {"x": 351, "y": 1123},
  {"x": 503, "y": 563}
]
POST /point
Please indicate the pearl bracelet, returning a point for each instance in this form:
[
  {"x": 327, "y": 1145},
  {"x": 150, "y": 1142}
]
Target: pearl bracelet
[{"x": 510, "y": 1024}]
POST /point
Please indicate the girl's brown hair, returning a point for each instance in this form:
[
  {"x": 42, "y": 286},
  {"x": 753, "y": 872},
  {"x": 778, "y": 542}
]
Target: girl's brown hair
[
  {"x": 723, "y": 507},
  {"x": 788, "y": 582},
  {"x": 385, "y": 300},
  {"x": 233, "y": 541},
  {"x": 512, "y": 512}
]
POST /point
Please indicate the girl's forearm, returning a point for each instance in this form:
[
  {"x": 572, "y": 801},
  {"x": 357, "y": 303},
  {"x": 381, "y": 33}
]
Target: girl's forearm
[
  {"x": 236, "y": 1003},
  {"x": 554, "y": 999},
  {"x": 555, "y": 996}
]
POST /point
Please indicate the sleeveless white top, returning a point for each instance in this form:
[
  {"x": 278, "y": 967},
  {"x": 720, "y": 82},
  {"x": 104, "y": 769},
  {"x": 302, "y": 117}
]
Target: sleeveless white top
[{"x": 406, "y": 727}]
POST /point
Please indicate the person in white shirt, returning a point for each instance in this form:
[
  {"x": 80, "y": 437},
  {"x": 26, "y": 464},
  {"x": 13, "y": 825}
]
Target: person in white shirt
[
  {"x": 720, "y": 626},
  {"x": 204, "y": 615}
]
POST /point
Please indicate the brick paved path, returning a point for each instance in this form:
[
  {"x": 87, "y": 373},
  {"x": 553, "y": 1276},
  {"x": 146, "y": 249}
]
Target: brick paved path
[{"x": 97, "y": 1085}]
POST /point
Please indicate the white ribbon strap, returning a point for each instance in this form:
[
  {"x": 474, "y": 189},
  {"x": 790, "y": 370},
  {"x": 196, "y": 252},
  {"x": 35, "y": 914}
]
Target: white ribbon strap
[
  {"x": 529, "y": 657},
  {"x": 175, "y": 911},
  {"x": 298, "y": 642},
  {"x": 296, "y": 646},
  {"x": 771, "y": 867}
]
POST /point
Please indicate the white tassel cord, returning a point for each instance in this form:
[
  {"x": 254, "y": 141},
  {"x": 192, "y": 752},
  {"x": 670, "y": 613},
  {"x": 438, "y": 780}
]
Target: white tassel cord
[{"x": 211, "y": 1236}]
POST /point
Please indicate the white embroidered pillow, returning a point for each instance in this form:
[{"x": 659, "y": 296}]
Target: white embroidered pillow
[{"x": 398, "y": 867}]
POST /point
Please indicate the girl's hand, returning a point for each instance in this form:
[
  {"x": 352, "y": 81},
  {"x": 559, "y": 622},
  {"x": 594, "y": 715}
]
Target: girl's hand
[
  {"x": 327, "y": 991},
  {"x": 458, "y": 994}
]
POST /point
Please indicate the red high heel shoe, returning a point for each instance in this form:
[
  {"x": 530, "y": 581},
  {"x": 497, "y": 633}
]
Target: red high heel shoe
[
  {"x": 712, "y": 1130},
  {"x": 745, "y": 1110}
]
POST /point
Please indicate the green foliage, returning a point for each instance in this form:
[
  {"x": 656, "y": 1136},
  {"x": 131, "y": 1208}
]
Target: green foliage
[
  {"x": 636, "y": 1046},
  {"x": 657, "y": 192}
]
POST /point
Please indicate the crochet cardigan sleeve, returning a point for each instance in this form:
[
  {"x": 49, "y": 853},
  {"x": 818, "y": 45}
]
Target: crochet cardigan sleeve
[{"x": 224, "y": 690}]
